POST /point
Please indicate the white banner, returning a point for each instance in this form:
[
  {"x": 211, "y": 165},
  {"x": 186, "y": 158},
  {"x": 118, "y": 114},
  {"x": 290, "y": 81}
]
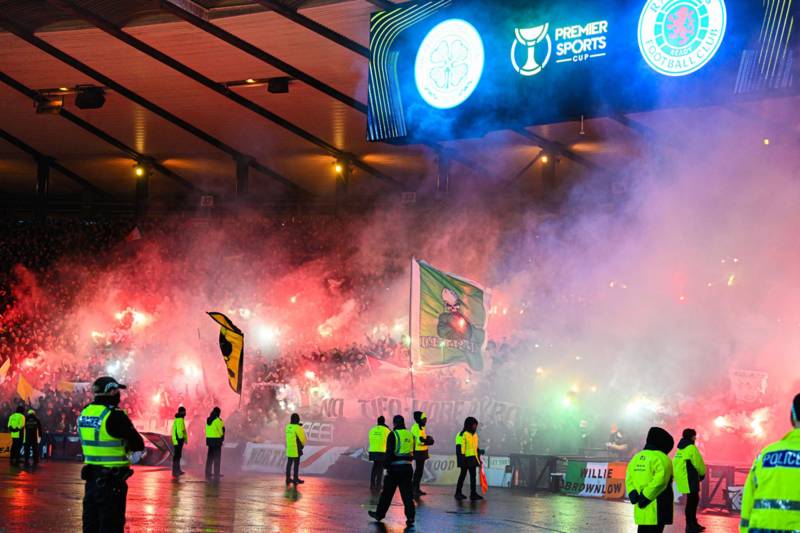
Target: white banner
[
  {"x": 454, "y": 411},
  {"x": 748, "y": 385},
  {"x": 271, "y": 458}
]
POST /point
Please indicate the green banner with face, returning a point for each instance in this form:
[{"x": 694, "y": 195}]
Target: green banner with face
[{"x": 448, "y": 318}]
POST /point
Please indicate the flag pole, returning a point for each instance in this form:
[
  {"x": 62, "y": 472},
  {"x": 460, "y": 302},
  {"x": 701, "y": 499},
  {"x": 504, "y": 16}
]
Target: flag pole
[
  {"x": 241, "y": 375},
  {"x": 410, "y": 338}
]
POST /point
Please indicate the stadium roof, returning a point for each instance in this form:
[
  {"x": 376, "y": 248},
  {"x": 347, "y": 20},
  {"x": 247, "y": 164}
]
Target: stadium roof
[{"x": 289, "y": 141}]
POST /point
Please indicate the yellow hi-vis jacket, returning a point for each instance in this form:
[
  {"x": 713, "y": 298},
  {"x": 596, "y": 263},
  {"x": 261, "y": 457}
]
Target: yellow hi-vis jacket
[
  {"x": 403, "y": 446},
  {"x": 179, "y": 430},
  {"x": 216, "y": 429},
  {"x": 100, "y": 448},
  {"x": 16, "y": 422},
  {"x": 377, "y": 439},
  {"x": 771, "y": 497},
  {"x": 650, "y": 474},
  {"x": 419, "y": 437},
  {"x": 294, "y": 433},
  {"x": 684, "y": 457},
  {"x": 469, "y": 444}
]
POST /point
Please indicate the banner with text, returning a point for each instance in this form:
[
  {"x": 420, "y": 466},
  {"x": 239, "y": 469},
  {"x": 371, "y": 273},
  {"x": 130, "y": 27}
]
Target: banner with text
[
  {"x": 271, "y": 458},
  {"x": 595, "y": 480},
  {"x": 452, "y": 411}
]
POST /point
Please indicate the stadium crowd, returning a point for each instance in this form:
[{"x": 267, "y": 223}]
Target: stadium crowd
[{"x": 35, "y": 296}]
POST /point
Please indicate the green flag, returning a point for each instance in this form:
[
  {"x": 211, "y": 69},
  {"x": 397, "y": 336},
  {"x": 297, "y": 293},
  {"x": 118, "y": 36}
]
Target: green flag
[{"x": 448, "y": 318}]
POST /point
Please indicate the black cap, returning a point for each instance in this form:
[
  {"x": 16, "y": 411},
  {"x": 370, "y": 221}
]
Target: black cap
[
  {"x": 381, "y": 420},
  {"x": 295, "y": 418},
  {"x": 106, "y": 384},
  {"x": 398, "y": 421},
  {"x": 689, "y": 433},
  {"x": 796, "y": 408}
]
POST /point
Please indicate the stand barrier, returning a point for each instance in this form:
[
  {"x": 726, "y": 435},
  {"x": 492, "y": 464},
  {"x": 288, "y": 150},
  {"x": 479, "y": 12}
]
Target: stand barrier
[
  {"x": 722, "y": 488},
  {"x": 534, "y": 472}
]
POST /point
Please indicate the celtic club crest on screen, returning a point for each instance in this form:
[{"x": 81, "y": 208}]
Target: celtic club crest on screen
[
  {"x": 678, "y": 37},
  {"x": 449, "y": 64}
]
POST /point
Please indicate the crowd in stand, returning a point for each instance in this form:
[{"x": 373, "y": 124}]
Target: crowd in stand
[{"x": 31, "y": 325}]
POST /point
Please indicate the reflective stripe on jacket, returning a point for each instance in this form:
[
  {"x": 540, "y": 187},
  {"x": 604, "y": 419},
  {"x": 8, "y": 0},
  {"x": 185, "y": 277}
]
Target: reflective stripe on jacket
[{"x": 100, "y": 448}]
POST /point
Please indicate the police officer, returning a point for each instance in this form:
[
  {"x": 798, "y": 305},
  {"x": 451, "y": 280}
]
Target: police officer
[
  {"x": 649, "y": 482},
  {"x": 16, "y": 425},
  {"x": 421, "y": 443},
  {"x": 771, "y": 497},
  {"x": 400, "y": 473},
  {"x": 106, "y": 434},
  {"x": 377, "y": 452},
  {"x": 689, "y": 470},
  {"x": 33, "y": 432},
  {"x": 179, "y": 437},
  {"x": 467, "y": 457},
  {"x": 295, "y": 441},
  {"x": 215, "y": 436}
]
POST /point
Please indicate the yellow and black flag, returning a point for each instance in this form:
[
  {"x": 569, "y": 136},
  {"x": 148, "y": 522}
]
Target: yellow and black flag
[{"x": 231, "y": 342}]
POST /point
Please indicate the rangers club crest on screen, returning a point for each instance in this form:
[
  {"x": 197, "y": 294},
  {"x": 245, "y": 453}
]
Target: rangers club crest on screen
[{"x": 678, "y": 37}]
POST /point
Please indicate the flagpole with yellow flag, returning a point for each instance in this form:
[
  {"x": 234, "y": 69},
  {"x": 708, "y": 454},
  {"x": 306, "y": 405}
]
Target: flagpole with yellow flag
[{"x": 231, "y": 343}]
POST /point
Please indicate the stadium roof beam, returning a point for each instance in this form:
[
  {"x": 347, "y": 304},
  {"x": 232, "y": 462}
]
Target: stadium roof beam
[
  {"x": 221, "y": 89},
  {"x": 39, "y": 157},
  {"x": 97, "y": 132},
  {"x": 249, "y": 48},
  {"x": 30, "y": 38},
  {"x": 635, "y": 125},
  {"x": 521, "y": 172},
  {"x": 315, "y": 26},
  {"x": 556, "y": 147}
]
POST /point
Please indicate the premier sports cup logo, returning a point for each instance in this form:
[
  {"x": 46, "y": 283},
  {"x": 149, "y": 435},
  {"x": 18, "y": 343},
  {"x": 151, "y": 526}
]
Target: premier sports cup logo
[
  {"x": 530, "y": 38},
  {"x": 679, "y": 37}
]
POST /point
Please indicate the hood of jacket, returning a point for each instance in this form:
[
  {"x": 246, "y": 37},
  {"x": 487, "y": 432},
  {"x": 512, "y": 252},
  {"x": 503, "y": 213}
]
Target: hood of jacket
[
  {"x": 214, "y": 415},
  {"x": 659, "y": 439},
  {"x": 684, "y": 443}
]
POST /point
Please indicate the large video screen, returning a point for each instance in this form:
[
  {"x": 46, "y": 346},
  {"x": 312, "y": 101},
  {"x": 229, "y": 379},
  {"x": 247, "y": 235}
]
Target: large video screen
[{"x": 448, "y": 69}]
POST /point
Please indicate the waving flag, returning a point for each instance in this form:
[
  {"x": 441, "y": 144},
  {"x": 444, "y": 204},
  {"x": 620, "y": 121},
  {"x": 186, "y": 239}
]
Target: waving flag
[
  {"x": 448, "y": 318},
  {"x": 4, "y": 369},
  {"x": 231, "y": 342},
  {"x": 26, "y": 391}
]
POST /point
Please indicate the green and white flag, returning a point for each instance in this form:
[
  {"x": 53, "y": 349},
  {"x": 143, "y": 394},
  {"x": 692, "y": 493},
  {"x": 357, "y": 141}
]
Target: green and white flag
[{"x": 448, "y": 318}]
